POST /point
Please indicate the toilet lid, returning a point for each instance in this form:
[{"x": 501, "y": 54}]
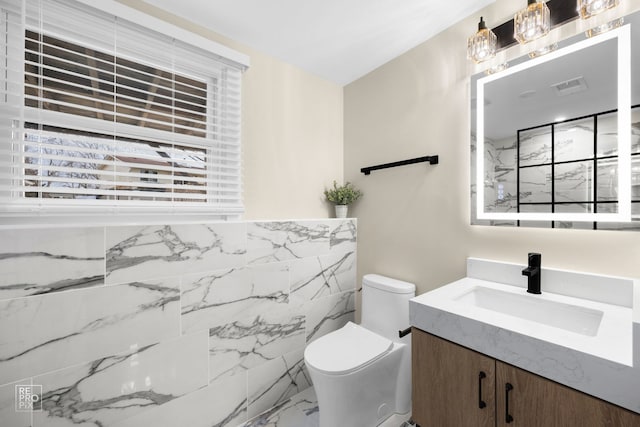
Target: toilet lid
[{"x": 346, "y": 349}]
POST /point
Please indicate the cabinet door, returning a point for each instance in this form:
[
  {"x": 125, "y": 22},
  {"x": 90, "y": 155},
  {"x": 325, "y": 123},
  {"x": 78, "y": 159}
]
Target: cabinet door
[
  {"x": 535, "y": 401},
  {"x": 449, "y": 384}
]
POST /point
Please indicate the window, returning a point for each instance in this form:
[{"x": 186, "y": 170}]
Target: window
[{"x": 103, "y": 115}]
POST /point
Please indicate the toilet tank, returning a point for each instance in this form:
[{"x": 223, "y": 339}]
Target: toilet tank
[{"x": 385, "y": 305}]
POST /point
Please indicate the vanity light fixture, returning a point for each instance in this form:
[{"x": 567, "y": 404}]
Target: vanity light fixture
[
  {"x": 543, "y": 51},
  {"x": 496, "y": 68},
  {"x": 602, "y": 9},
  {"x": 483, "y": 44},
  {"x": 532, "y": 22},
  {"x": 589, "y": 8}
]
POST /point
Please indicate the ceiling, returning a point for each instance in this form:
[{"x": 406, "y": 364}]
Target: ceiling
[{"x": 339, "y": 40}]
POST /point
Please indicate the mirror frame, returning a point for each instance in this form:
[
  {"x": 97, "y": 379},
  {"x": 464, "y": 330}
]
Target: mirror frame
[{"x": 623, "y": 35}]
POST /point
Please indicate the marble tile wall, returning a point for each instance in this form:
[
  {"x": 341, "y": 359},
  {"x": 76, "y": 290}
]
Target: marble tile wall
[{"x": 199, "y": 325}]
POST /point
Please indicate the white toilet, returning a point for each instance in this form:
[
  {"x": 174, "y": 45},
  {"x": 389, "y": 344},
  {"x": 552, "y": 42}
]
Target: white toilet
[{"x": 362, "y": 373}]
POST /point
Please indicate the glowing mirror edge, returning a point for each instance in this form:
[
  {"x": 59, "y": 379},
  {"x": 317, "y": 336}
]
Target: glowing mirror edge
[{"x": 623, "y": 34}]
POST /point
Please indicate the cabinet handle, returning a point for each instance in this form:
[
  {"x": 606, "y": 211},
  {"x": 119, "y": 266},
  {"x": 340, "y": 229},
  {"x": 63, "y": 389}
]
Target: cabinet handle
[
  {"x": 507, "y": 417},
  {"x": 481, "y": 403}
]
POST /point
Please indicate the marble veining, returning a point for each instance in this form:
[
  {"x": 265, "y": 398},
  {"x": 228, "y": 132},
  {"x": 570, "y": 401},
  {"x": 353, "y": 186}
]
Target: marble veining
[
  {"x": 317, "y": 277},
  {"x": 223, "y": 403},
  {"x": 281, "y": 241},
  {"x": 299, "y": 411},
  {"x": 153, "y": 251},
  {"x": 276, "y": 381},
  {"x": 169, "y": 325},
  {"x": 116, "y": 387},
  {"x": 343, "y": 236},
  {"x": 217, "y": 298},
  {"x": 97, "y": 322},
  {"x": 67, "y": 259},
  {"x": 241, "y": 345},
  {"x": 329, "y": 314}
]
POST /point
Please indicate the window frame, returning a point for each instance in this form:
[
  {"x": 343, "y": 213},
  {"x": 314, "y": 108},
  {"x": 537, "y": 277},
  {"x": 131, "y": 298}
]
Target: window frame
[{"x": 55, "y": 212}]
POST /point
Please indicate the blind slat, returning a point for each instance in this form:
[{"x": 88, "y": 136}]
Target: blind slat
[{"x": 99, "y": 111}]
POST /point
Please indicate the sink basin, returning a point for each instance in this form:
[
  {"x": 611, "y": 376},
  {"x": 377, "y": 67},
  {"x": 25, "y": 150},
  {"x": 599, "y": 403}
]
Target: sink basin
[{"x": 573, "y": 318}]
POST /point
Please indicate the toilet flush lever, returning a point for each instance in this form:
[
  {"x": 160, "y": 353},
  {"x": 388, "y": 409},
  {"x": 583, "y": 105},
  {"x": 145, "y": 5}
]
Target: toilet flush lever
[{"x": 404, "y": 332}]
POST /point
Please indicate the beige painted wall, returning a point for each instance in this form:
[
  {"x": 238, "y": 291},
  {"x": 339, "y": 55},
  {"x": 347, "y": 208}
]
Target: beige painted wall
[
  {"x": 292, "y": 132},
  {"x": 413, "y": 222}
]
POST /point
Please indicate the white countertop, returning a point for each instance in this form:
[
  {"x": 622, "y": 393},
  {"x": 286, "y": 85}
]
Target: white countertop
[{"x": 604, "y": 363}]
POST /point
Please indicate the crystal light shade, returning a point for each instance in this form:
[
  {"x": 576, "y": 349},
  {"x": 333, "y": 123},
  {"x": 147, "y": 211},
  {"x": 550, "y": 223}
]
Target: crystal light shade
[
  {"x": 589, "y": 8},
  {"x": 483, "y": 44},
  {"x": 532, "y": 22}
]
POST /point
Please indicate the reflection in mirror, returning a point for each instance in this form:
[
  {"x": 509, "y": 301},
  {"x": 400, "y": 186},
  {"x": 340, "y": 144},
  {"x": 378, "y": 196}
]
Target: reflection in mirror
[{"x": 551, "y": 141}]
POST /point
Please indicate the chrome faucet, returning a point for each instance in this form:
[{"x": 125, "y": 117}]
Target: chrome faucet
[{"x": 532, "y": 272}]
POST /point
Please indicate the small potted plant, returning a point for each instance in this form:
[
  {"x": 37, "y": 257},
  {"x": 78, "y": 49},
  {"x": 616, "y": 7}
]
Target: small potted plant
[{"x": 342, "y": 196}]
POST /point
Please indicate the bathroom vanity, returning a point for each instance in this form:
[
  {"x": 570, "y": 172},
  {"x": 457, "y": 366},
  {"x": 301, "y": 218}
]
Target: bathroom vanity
[{"x": 486, "y": 353}]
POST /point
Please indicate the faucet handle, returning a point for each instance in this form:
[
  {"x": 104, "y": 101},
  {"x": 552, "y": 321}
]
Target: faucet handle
[{"x": 535, "y": 259}]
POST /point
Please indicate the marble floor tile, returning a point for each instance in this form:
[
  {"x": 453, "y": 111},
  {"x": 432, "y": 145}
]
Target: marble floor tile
[
  {"x": 66, "y": 259},
  {"x": 302, "y": 411}
]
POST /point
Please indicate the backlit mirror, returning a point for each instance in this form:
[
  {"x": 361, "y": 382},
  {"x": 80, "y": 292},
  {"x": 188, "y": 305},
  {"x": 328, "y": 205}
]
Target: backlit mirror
[{"x": 556, "y": 137}]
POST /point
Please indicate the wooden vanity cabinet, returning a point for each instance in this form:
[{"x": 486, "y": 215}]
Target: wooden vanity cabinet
[
  {"x": 535, "y": 401},
  {"x": 448, "y": 387},
  {"x": 452, "y": 385}
]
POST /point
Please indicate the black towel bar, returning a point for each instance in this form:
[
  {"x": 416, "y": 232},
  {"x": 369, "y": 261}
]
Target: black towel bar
[{"x": 433, "y": 160}]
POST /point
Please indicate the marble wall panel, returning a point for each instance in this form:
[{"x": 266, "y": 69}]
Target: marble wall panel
[
  {"x": 221, "y": 404},
  {"x": 48, "y": 332},
  {"x": 276, "y": 381},
  {"x": 8, "y": 415},
  {"x": 300, "y": 410},
  {"x": 535, "y": 184},
  {"x": 113, "y": 388},
  {"x": 343, "y": 236},
  {"x": 573, "y": 141},
  {"x": 281, "y": 241},
  {"x": 139, "y": 252},
  {"x": 41, "y": 261},
  {"x": 318, "y": 277},
  {"x": 223, "y": 296},
  {"x": 574, "y": 182},
  {"x": 167, "y": 325},
  {"x": 328, "y": 314},
  {"x": 243, "y": 344},
  {"x": 535, "y": 146}
]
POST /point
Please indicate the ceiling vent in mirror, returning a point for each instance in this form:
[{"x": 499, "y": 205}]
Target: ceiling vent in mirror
[{"x": 567, "y": 87}]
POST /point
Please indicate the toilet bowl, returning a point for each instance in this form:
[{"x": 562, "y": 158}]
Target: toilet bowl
[{"x": 362, "y": 373}]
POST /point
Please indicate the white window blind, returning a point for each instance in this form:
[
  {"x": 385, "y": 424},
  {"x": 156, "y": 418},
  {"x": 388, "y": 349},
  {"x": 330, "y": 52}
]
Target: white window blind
[{"x": 98, "y": 114}]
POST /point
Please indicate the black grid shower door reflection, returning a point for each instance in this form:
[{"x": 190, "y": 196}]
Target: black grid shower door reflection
[{"x": 571, "y": 166}]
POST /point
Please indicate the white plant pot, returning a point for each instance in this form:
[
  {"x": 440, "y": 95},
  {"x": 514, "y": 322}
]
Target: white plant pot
[{"x": 341, "y": 211}]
